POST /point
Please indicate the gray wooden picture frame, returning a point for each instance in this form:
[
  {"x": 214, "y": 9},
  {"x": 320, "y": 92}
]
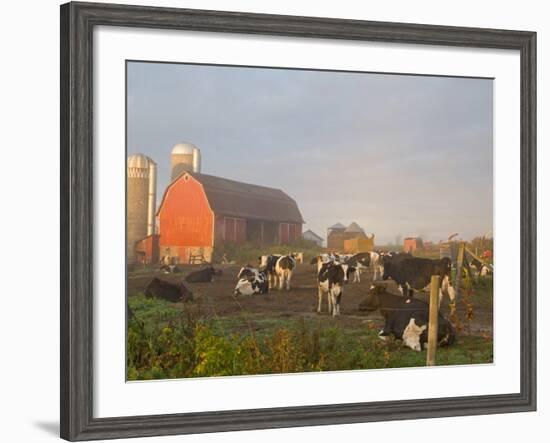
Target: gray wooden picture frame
[{"x": 77, "y": 23}]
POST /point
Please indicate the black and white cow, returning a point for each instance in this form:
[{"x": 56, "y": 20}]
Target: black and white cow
[
  {"x": 480, "y": 269},
  {"x": 349, "y": 271},
  {"x": 363, "y": 261},
  {"x": 386, "y": 257},
  {"x": 325, "y": 258},
  {"x": 267, "y": 263},
  {"x": 284, "y": 268},
  {"x": 415, "y": 273},
  {"x": 343, "y": 258},
  {"x": 360, "y": 262},
  {"x": 247, "y": 271},
  {"x": 170, "y": 269},
  {"x": 406, "y": 319},
  {"x": 171, "y": 292},
  {"x": 253, "y": 283},
  {"x": 339, "y": 259},
  {"x": 205, "y": 275},
  {"x": 330, "y": 280}
]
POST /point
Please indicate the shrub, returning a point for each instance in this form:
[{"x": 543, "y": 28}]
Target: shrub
[{"x": 164, "y": 342}]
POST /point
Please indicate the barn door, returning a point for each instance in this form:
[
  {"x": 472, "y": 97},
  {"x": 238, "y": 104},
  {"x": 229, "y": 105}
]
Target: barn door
[
  {"x": 240, "y": 230},
  {"x": 284, "y": 233},
  {"x": 230, "y": 234}
]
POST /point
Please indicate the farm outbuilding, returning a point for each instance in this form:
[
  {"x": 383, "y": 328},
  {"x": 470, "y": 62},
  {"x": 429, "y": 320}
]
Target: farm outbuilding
[
  {"x": 335, "y": 237},
  {"x": 411, "y": 244},
  {"x": 199, "y": 211},
  {"x": 311, "y": 236},
  {"x": 356, "y": 245},
  {"x": 339, "y": 235},
  {"x": 147, "y": 250}
]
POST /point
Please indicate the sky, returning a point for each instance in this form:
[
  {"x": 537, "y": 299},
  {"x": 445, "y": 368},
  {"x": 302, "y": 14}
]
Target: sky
[{"x": 401, "y": 155}]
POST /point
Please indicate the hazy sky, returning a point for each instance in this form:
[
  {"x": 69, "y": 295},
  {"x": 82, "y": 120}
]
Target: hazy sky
[{"x": 400, "y": 155}]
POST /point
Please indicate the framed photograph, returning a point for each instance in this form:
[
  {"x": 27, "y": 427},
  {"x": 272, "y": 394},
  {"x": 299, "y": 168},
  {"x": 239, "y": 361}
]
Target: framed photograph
[{"x": 272, "y": 221}]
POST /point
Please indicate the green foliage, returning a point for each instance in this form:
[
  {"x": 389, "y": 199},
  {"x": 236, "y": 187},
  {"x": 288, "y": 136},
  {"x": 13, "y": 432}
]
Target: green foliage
[{"x": 167, "y": 342}]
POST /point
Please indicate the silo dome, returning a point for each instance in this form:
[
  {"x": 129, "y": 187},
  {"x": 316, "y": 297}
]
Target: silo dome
[
  {"x": 183, "y": 148},
  {"x": 185, "y": 157},
  {"x": 139, "y": 161}
]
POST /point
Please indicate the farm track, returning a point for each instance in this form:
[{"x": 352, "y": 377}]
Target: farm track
[{"x": 216, "y": 299}]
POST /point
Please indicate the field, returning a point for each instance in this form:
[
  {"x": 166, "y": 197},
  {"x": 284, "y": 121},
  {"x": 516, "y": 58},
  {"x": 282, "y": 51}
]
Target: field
[{"x": 218, "y": 334}]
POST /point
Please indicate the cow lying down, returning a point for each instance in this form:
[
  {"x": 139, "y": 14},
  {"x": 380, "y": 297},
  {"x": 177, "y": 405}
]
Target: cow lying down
[
  {"x": 406, "y": 319},
  {"x": 205, "y": 275},
  {"x": 251, "y": 281},
  {"x": 168, "y": 291}
]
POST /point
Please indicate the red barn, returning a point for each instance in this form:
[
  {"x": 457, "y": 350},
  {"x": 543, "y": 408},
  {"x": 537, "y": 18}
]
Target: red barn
[{"x": 198, "y": 211}]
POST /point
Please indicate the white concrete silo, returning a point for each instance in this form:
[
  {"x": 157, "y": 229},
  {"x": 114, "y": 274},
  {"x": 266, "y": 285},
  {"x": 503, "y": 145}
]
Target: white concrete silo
[
  {"x": 141, "y": 201},
  {"x": 185, "y": 157}
]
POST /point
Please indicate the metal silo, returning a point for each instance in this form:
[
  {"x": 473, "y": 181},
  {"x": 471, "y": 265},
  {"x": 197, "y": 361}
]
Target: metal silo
[
  {"x": 185, "y": 157},
  {"x": 141, "y": 201}
]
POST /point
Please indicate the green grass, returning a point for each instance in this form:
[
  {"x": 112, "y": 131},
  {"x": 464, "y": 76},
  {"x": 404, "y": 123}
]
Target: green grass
[{"x": 173, "y": 341}]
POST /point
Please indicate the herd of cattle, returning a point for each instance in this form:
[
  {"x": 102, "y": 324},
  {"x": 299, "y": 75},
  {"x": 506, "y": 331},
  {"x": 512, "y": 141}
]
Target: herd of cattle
[
  {"x": 406, "y": 317},
  {"x": 333, "y": 271}
]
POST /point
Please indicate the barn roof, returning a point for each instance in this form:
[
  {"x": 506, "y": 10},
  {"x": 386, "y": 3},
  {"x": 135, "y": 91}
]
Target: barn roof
[
  {"x": 337, "y": 226},
  {"x": 313, "y": 234},
  {"x": 237, "y": 199},
  {"x": 354, "y": 227}
]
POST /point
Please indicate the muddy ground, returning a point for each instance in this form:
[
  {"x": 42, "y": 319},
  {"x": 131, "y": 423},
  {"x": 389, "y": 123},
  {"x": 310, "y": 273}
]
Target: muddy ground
[{"x": 217, "y": 299}]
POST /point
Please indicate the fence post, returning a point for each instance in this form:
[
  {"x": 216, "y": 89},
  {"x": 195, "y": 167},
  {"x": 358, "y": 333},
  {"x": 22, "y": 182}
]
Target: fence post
[
  {"x": 459, "y": 266},
  {"x": 432, "y": 328}
]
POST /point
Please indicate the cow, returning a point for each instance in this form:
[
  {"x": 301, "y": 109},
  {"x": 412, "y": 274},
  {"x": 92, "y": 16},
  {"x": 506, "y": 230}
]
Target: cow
[
  {"x": 247, "y": 271},
  {"x": 170, "y": 269},
  {"x": 283, "y": 268},
  {"x": 480, "y": 269},
  {"x": 322, "y": 257},
  {"x": 412, "y": 333},
  {"x": 254, "y": 283},
  {"x": 485, "y": 271},
  {"x": 267, "y": 263},
  {"x": 330, "y": 280},
  {"x": 406, "y": 319},
  {"x": 168, "y": 291},
  {"x": 349, "y": 271},
  {"x": 205, "y": 275},
  {"x": 363, "y": 261},
  {"x": 386, "y": 257},
  {"x": 375, "y": 265},
  {"x": 298, "y": 256},
  {"x": 393, "y": 257},
  {"x": 343, "y": 258},
  {"x": 415, "y": 273},
  {"x": 325, "y": 258}
]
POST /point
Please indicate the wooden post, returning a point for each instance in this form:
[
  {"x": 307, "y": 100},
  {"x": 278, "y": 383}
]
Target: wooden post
[
  {"x": 478, "y": 258},
  {"x": 459, "y": 265},
  {"x": 432, "y": 328}
]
